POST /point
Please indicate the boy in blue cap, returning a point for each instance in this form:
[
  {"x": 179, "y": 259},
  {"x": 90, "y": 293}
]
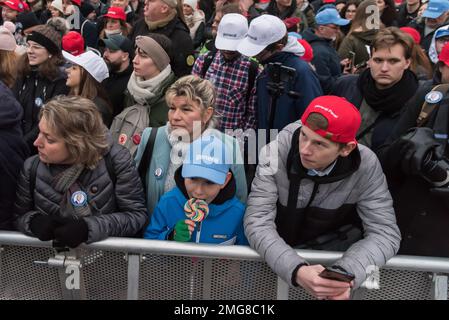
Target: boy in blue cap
[{"x": 204, "y": 178}]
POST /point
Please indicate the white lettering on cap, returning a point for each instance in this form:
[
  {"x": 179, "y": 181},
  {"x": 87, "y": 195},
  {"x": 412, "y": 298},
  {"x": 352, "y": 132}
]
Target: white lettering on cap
[
  {"x": 206, "y": 158},
  {"x": 327, "y": 110}
]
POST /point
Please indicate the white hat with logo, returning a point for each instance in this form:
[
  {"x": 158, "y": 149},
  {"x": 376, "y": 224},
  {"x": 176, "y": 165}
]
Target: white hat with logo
[
  {"x": 263, "y": 31},
  {"x": 91, "y": 62},
  {"x": 231, "y": 31}
]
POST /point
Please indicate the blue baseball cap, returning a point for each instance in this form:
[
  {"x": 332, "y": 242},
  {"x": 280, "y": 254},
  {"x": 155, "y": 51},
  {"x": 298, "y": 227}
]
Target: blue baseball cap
[
  {"x": 441, "y": 33},
  {"x": 207, "y": 158},
  {"x": 331, "y": 16},
  {"x": 436, "y": 8}
]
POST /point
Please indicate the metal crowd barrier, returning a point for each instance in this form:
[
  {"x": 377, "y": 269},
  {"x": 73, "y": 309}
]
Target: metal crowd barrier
[{"x": 125, "y": 268}]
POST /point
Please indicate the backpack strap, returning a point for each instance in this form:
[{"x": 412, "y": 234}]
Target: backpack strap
[
  {"x": 33, "y": 173},
  {"x": 146, "y": 157},
  {"x": 252, "y": 73},
  {"x": 208, "y": 58},
  {"x": 110, "y": 168},
  {"x": 427, "y": 108}
]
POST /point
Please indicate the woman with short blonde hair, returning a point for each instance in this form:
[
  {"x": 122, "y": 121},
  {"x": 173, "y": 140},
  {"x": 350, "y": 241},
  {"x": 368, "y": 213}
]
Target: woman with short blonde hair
[
  {"x": 84, "y": 188},
  {"x": 191, "y": 114}
]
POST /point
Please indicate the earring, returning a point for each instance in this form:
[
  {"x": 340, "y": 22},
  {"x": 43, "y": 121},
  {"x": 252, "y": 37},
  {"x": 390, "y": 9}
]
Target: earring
[{"x": 49, "y": 56}]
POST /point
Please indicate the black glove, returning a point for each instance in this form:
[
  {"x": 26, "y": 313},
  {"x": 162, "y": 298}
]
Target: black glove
[
  {"x": 72, "y": 234},
  {"x": 414, "y": 146},
  {"x": 43, "y": 226}
]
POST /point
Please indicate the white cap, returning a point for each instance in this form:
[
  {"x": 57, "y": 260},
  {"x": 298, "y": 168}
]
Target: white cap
[
  {"x": 263, "y": 31},
  {"x": 57, "y": 4},
  {"x": 231, "y": 31},
  {"x": 91, "y": 62},
  {"x": 191, "y": 3}
]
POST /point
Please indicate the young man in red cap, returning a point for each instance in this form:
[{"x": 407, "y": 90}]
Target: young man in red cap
[
  {"x": 415, "y": 162},
  {"x": 316, "y": 188}
]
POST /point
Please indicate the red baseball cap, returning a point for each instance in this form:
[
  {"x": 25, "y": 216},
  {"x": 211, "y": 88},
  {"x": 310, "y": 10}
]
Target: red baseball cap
[
  {"x": 116, "y": 13},
  {"x": 73, "y": 42},
  {"x": 329, "y": 1},
  {"x": 444, "y": 55},
  {"x": 291, "y": 22},
  {"x": 412, "y": 32},
  {"x": 77, "y": 2},
  {"x": 342, "y": 116},
  {"x": 308, "y": 50},
  {"x": 15, "y": 5}
]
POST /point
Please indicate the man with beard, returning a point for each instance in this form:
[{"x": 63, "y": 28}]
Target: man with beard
[
  {"x": 382, "y": 90},
  {"x": 118, "y": 52}
]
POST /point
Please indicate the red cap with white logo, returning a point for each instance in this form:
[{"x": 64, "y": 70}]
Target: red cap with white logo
[{"x": 342, "y": 116}]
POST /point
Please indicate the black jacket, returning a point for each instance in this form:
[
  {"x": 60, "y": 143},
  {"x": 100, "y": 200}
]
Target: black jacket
[
  {"x": 13, "y": 152},
  {"x": 181, "y": 57},
  {"x": 347, "y": 87},
  {"x": 325, "y": 59},
  {"x": 116, "y": 85},
  {"x": 423, "y": 215},
  {"x": 32, "y": 91},
  {"x": 118, "y": 209}
]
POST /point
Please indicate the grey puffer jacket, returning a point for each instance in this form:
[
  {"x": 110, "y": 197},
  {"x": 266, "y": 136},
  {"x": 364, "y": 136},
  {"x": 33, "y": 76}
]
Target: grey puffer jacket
[
  {"x": 116, "y": 210},
  {"x": 365, "y": 189}
]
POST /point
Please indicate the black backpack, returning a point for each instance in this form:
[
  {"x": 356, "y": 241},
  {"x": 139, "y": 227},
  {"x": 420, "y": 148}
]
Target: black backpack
[{"x": 254, "y": 66}]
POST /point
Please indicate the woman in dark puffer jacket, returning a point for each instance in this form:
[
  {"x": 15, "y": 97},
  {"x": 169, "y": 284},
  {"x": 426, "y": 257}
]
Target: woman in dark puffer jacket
[{"x": 85, "y": 188}]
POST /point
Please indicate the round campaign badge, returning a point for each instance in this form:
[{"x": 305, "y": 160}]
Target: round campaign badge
[
  {"x": 38, "y": 102},
  {"x": 79, "y": 199},
  {"x": 190, "y": 60},
  {"x": 434, "y": 97},
  {"x": 122, "y": 139},
  {"x": 158, "y": 172}
]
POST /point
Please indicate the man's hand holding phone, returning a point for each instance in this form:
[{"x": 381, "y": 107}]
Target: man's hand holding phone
[{"x": 309, "y": 278}]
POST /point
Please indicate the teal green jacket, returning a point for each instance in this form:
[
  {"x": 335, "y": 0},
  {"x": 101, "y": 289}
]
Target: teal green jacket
[{"x": 160, "y": 161}]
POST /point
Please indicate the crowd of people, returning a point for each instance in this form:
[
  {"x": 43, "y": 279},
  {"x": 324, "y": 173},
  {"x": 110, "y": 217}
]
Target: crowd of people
[{"x": 138, "y": 119}]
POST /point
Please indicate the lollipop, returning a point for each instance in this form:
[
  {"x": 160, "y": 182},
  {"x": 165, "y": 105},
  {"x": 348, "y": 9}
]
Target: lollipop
[{"x": 196, "y": 209}]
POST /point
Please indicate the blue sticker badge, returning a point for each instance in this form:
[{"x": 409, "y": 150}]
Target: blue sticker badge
[
  {"x": 434, "y": 97},
  {"x": 79, "y": 199},
  {"x": 38, "y": 102}
]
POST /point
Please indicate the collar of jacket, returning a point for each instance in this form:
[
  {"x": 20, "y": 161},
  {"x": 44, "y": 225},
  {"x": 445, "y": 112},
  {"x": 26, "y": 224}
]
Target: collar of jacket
[
  {"x": 344, "y": 167},
  {"x": 225, "y": 194}
]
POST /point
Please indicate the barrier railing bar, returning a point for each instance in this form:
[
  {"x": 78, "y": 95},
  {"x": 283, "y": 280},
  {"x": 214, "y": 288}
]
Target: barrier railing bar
[
  {"x": 133, "y": 276},
  {"x": 282, "y": 289},
  {"x": 143, "y": 246}
]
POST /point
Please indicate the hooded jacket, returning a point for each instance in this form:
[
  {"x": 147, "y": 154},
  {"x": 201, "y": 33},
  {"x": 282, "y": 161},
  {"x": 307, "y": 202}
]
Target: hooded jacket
[
  {"x": 356, "y": 185},
  {"x": 13, "y": 152},
  {"x": 433, "y": 54},
  {"x": 223, "y": 225}
]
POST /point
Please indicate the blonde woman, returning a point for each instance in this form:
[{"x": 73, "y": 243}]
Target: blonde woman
[
  {"x": 85, "y": 188},
  {"x": 191, "y": 114}
]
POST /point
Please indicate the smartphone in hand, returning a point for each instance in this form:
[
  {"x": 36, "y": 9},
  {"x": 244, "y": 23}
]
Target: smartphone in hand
[{"x": 335, "y": 273}]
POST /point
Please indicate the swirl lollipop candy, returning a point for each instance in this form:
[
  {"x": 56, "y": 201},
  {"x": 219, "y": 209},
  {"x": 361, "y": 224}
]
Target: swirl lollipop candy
[{"x": 196, "y": 209}]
